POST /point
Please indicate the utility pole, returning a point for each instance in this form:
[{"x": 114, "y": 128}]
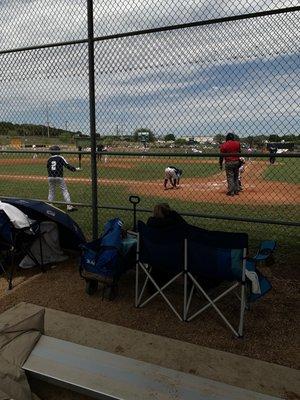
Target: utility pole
[{"x": 47, "y": 118}]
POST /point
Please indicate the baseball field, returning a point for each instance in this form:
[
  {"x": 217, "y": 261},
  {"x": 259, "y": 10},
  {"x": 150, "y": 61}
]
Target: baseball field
[{"x": 269, "y": 191}]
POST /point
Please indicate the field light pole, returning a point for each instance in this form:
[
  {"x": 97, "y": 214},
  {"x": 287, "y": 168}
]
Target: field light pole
[
  {"x": 90, "y": 21},
  {"x": 47, "y": 116}
]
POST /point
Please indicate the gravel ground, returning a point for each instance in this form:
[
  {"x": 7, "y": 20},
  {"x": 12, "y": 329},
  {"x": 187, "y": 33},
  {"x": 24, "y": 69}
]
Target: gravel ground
[{"x": 271, "y": 326}]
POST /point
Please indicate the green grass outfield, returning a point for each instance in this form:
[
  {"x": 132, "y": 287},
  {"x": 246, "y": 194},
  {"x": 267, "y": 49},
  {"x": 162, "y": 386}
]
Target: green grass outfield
[
  {"x": 118, "y": 196},
  {"x": 284, "y": 170},
  {"x": 132, "y": 170}
]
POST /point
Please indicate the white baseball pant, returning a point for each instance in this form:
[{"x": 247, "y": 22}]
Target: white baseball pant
[{"x": 53, "y": 182}]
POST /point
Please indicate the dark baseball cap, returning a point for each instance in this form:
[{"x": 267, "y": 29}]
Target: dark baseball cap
[
  {"x": 54, "y": 149},
  {"x": 230, "y": 136}
]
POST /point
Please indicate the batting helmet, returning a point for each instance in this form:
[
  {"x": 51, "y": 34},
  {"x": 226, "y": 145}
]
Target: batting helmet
[
  {"x": 230, "y": 136},
  {"x": 54, "y": 150}
]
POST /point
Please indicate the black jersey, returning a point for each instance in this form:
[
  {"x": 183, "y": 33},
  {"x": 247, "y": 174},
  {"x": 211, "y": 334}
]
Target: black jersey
[{"x": 55, "y": 166}]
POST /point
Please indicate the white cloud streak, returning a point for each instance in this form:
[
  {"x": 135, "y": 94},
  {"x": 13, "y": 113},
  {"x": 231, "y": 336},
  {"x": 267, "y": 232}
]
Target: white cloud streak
[{"x": 167, "y": 80}]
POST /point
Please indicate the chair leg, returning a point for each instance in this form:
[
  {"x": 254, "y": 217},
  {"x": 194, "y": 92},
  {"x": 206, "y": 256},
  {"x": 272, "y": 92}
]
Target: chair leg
[
  {"x": 11, "y": 273},
  {"x": 2, "y": 270},
  {"x": 242, "y": 310},
  {"x": 159, "y": 290},
  {"x": 41, "y": 254},
  {"x": 185, "y": 297},
  {"x": 211, "y": 303}
]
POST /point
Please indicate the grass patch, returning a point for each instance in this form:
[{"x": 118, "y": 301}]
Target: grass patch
[
  {"x": 137, "y": 170},
  {"x": 287, "y": 237},
  {"x": 284, "y": 170}
]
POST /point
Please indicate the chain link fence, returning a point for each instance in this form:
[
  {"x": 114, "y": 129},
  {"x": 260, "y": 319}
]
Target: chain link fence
[{"x": 170, "y": 80}]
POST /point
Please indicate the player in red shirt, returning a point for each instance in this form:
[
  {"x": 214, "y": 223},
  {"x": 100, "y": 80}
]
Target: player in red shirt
[{"x": 231, "y": 163}]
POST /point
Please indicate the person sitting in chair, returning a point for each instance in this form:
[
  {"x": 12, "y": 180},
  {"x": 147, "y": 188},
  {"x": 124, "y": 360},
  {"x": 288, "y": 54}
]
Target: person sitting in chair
[{"x": 164, "y": 216}]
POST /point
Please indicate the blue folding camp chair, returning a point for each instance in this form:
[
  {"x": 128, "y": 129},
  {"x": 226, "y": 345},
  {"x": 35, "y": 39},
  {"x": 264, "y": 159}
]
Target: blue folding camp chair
[
  {"x": 198, "y": 257},
  {"x": 15, "y": 243},
  {"x": 265, "y": 251}
]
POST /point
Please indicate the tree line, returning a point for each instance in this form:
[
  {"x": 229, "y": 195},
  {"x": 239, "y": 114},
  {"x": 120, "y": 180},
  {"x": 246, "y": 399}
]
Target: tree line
[
  {"x": 10, "y": 129},
  {"x": 259, "y": 141},
  {"x": 139, "y": 135}
]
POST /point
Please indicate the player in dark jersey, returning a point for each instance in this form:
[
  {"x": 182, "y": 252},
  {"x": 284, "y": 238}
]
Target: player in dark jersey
[
  {"x": 273, "y": 151},
  {"x": 55, "y": 168}
]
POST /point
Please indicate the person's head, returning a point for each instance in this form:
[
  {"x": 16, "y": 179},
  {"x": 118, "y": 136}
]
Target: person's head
[
  {"x": 180, "y": 172},
  {"x": 242, "y": 160},
  {"x": 229, "y": 136},
  {"x": 161, "y": 210},
  {"x": 54, "y": 150}
]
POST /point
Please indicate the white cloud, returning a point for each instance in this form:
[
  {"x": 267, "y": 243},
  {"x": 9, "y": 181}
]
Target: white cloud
[
  {"x": 156, "y": 79},
  {"x": 25, "y": 22}
]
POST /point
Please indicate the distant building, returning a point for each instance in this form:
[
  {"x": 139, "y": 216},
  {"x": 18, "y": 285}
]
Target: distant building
[
  {"x": 283, "y": 146},
  {"x": 200, "y": 139},
  {"x": 204, "y": 139}
]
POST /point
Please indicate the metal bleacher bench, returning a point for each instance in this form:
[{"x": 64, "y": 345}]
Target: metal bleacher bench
[{"x": 107, "y": 376}]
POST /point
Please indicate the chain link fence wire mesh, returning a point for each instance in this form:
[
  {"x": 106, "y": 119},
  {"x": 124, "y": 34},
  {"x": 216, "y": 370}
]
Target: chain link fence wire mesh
[{"x": 171, "y": 79}]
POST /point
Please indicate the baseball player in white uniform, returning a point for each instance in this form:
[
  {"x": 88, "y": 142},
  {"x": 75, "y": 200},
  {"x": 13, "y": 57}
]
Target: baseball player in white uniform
[
  {"x": 172, "y": 174},
  {"x": 55, "y": 168}
]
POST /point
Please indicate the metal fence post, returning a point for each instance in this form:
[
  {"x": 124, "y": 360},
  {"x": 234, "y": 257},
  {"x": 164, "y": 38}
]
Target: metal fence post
[{"x": 90, "y": 21}]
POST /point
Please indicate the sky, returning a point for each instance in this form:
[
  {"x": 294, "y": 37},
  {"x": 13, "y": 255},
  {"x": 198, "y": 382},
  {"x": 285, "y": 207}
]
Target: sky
[{"x": 241, "y": 76}]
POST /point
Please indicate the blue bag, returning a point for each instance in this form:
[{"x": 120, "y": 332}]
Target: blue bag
[{"x": 101, "y": 258}]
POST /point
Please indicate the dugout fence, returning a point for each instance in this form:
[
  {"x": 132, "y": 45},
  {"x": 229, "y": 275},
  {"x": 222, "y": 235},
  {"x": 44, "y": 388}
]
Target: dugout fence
[{"x": 156, "y": 83}]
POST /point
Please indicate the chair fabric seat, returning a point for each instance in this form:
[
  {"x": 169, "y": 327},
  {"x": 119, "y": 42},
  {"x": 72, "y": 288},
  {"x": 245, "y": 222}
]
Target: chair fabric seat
[{"x": 211, "y": 254}]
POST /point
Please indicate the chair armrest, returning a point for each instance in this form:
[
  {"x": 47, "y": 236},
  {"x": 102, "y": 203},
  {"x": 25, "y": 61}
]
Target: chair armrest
[{"x": 264, "y": 252}]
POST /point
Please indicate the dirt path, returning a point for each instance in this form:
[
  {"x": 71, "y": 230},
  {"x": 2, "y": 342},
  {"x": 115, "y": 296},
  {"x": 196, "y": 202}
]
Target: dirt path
[{"x": 213, "y": 189}]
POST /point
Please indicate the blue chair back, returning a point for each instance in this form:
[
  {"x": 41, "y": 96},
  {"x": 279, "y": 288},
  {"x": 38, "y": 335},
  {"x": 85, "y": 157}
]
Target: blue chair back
[
  {"x": 216, "y": 254},
  {"x": 211, "y": 254},
  {"x": 161, "y": 248}
]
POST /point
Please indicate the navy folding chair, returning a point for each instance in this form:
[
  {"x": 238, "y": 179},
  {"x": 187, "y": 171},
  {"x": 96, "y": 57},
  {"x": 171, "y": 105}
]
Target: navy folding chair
[
  {"x": 197, "y": 257},
  {"x": 15, "y": 243},
  {"x": 159, "y": 250},
  {"x": 220, "y": 257}
]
